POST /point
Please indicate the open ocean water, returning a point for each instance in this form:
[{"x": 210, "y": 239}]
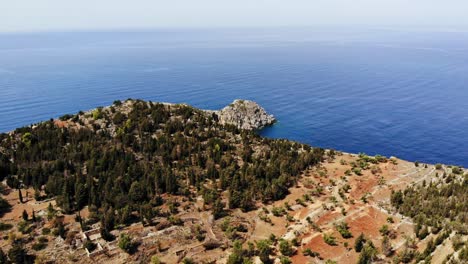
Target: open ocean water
[{"x": 379, "y": 91}]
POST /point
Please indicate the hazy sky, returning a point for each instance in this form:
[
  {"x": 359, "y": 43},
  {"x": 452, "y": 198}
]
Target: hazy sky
[{"x": 32, "y": 15}]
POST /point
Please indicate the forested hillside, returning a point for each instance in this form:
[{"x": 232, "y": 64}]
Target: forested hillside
[
  {"x": 140, "y": 181},
  {"x": 438, "y": 207},
  {"x": 125, "y": 158}
]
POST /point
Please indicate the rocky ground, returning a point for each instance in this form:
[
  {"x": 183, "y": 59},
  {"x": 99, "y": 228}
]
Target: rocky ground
[{"x": 245, "y": 114}]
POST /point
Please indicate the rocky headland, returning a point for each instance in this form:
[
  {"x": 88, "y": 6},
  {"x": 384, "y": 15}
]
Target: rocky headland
[{"x": 245, "y": 114}]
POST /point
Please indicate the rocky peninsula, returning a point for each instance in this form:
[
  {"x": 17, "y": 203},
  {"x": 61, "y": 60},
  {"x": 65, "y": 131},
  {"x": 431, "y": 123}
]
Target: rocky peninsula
[{"x": 245, "y": 114}]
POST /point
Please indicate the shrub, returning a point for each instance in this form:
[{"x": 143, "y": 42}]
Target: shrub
[
  {"x": 5, "y": 227},
  {"x": 155, "y": 260},
  {"x": 237, "y": 255},
  {"x": 309, "y": 252},
  {"x": 4, "y": 206},
  {"x": 188, "y": 261},
  {"x": 343, "y": 228},
  {"x": 357, "y": 171},
  {"x": 66, "y": 117},
  {"x": 384, "y": 230},
  {"x": 97, "y": 113},
  {"x": 43, "y": 239},
  {"x": 39, "y": 246},
  {"x": 329, "y": 239},
  {"x": 285, "y": 260},
  {"x": 264, "y": 250},
  {"x": 90, "y": 246},
  {"x": 24, "y": 227},
  {"x": 126, "y": 244},
  {"x": 45, "y": 231},
  {"x": 119, "y": 118},
  {"x": 278, "y": 211},
  {"x": 285, "y": 248},
  {"x": 457, "y": 170}
]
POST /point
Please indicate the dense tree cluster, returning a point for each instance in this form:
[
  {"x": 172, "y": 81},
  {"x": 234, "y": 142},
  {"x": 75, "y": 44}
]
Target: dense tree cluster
[
  {"x": 437, "y": 205},
  {"x": 123, "y": 161}
]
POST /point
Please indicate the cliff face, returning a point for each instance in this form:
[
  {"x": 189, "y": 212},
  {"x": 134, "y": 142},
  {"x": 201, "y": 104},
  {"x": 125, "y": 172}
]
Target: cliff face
[{"x": 245, "y": 114}]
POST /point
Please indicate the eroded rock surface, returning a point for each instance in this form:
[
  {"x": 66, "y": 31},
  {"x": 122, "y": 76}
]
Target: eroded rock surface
[{"x": 245, "y": 114}]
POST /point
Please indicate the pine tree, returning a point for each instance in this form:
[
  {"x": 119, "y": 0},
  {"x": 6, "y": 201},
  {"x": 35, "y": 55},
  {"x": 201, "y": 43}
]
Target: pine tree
[
  {"x": 264, "y": 250},
  {"x": 3, "y": 257},
  {"x": 359, "y": 243},
  {"x": 387, "y": 249},
  {"x": 20, "y": 194},
  {"x": 25, "y": 215},
  {"x": 17, "y": 254},
  {"x": 61, "y": 229},
  {"x": 218, "y": 209},
  {"x": 368, "y": 254},
  {"x": 50, "y": 212},
  {"x": 237, "y": 254}
]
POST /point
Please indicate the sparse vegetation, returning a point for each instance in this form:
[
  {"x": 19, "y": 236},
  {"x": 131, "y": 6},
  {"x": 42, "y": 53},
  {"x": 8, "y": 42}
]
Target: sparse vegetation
[
  {"x": 343, "y": 229},
  {"x": 329, "y": 239}
]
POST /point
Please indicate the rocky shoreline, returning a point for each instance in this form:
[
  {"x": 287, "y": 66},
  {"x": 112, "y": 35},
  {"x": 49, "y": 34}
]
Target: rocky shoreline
[{"x": 245, "y": 114}]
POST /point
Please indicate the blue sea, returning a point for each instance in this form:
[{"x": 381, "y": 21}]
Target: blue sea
[{"x": 395, "y": 92}]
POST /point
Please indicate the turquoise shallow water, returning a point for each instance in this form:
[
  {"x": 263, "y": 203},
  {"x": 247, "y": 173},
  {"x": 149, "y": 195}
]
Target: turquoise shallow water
[{"x": 390, "y": 92}]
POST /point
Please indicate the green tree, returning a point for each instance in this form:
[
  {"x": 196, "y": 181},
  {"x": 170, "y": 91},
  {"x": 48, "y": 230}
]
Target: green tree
[
  {"x": 17, "y": 254},
  {"x": 61, "y": 229},
  {"x": 359, "y": 243},
  {"x": 126, "y": 244},
  {"x": 81, "y": 196},
  {"x": 20, "y": 196},
  {"x": 285, "y": 248},
  {"x": 3, "y": 257},
  {"x": 264, "y": 250},
  {"x": 4, "y": 206},
  {"x": 237, "y": 254},
  {"x": 109, "y": 220},
  {"x": 50, "y": 212},
  {"x": 25, "y": 215},
  {"x": 136, "y": 192},
  {"x": 368, "y": 254},
  {"x": 387, "y": 249},
  {"x": 89, "y": 245},
  {"x": 218, "y": 209}
]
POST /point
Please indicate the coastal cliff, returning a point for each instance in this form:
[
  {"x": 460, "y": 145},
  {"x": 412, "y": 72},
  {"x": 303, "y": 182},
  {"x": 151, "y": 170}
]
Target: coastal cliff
[{"x": 245, "y": 114}]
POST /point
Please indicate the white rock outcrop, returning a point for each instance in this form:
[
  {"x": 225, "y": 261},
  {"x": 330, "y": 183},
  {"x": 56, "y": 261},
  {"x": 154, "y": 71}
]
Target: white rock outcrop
[{"x": 245, "y": 114}]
